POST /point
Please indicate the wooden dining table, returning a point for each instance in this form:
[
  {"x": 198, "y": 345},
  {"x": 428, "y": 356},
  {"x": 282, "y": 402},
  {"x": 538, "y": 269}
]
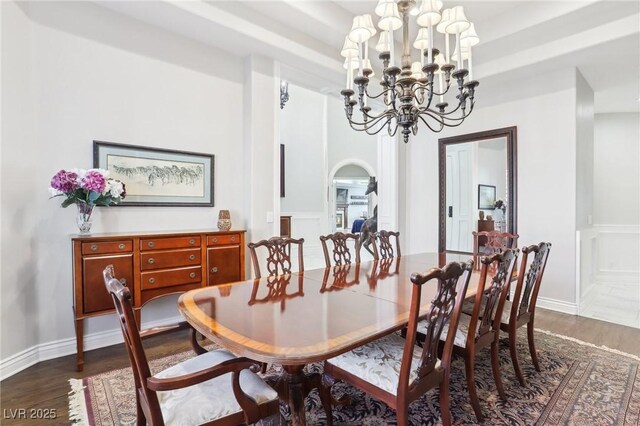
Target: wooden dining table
[{"x": 300, "y": 318}]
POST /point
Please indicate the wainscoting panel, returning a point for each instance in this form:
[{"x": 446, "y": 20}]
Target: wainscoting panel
[{"x": 609, "y": 273}]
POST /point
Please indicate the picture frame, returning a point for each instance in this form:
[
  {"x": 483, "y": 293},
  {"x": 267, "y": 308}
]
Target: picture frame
[
  {"x": 282, "y": 170},
  {"x": 342, "y": 195},
  {"x": 486, "y": 197},
  {"x": 156, "y": 176},
  {"x": 339, "y": 220}
]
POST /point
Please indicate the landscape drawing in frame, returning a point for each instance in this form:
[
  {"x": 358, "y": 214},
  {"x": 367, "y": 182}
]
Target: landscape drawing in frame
[
  {"x": 158, "y": 177},
  {"x": 486, "y": 197}
]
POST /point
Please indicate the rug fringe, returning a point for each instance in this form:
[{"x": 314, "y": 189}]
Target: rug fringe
[
  {"x": 77, "y": 405},
  {"x": 582, "y": 342}
]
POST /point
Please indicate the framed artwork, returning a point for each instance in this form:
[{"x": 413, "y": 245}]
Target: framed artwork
[
  {"x": 158, "y": 177},
  {"x": 340, "y": 220},
  {"x": 281, "y": 170},
  {"x": 486, "y": 197},
  {"x": 342, "y": 195}
]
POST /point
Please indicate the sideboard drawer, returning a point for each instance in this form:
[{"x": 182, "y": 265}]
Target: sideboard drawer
[
  {"x": 107, "y": 247},
  {"x": 169, "y": 243},
  {"x": 170, "y": 278},
  {"x": 217, "y": 240},
  {"x": 169, "y": 259}
]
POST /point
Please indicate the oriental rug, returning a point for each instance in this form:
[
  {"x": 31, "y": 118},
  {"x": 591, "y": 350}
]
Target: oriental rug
[{"x": 580, "y": 384}]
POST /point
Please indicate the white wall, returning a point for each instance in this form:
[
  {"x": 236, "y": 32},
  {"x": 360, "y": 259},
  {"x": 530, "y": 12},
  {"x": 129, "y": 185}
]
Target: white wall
[
  {"x": 546, "y": 173},
  {"x": 491, "y": 167},
  {"x": 617, "y": 169},
  {"x": 344, "y": 142},
  {"x": 584, "y": 152},
  {"x": 77, "y": 72},
  {"x": 303, "y": 131}
]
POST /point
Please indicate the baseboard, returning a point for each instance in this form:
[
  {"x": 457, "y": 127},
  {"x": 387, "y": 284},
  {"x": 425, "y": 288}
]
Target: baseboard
[
  {"x": 557, "y": 305},
  {"x": 63, "y": 347}
]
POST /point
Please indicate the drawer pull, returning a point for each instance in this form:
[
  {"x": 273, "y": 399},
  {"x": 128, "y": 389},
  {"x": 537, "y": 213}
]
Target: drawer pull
[
  {"x": 192, "y": 241},
  {"x": 152, "y": 280},
  {"x": 233, "y": 239},
  {"x": 214, "y": 240},
  {"x": 192, "y": 257},
  {"x": 214, "y": 269},
  {"x": 121, "y": 246},
  {"x": 151, "y": 260},
  {"x": 94, "y": 247},
  {"x": 151, "y": 244},
  {"x": 123, "y": 281},
  {"x": 192, "y": 275}
]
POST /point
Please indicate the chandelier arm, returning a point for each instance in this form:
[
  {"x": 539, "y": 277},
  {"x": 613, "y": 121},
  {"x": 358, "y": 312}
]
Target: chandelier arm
[
  {"x": 373, "y": 122},
  {"x": 442, "y": 125},
  {"x": 380, "y": 128}
]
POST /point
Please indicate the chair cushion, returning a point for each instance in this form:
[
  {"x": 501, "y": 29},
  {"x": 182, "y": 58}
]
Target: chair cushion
[
  {"x": 208, "y": 400},
  {"x": 378, "y": 362},
  {"x": 461, "y": 333}
]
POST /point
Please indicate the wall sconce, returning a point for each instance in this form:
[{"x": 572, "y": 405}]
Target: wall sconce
[{"x": 284, "y": 93}]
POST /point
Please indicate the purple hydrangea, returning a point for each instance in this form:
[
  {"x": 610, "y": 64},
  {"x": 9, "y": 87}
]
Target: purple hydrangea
[
  {"x": 64, "y": 181},
  {"x": 93, "y": 181}
]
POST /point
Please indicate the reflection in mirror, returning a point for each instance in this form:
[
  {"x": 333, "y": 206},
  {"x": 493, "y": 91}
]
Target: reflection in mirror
[{"x": 477, "y": 187}]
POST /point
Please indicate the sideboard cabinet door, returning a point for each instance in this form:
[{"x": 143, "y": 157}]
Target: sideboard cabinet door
[
  {"x": 95, "y": 295},
  {"x": 223, "y": 264}
]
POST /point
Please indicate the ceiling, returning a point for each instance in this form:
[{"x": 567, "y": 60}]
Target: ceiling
[{"x": 600, "y": 38}]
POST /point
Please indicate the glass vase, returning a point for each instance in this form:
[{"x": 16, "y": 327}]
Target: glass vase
[{"x": 83, "y": 219}]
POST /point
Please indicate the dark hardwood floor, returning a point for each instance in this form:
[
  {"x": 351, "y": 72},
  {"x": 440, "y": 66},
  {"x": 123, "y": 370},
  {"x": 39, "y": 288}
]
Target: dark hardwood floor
[{"x": 45, "y": 386}]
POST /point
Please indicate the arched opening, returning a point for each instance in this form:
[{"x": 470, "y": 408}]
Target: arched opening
[{"x": 349, "y": 205}]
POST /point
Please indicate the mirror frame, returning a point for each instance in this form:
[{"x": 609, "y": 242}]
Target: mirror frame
[{"x": 511, "y": 133}]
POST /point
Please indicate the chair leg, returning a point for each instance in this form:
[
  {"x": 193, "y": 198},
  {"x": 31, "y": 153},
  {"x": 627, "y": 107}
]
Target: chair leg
[
  {"x": 140, "y": 418},
  {"x": 445, "y": 411},
  {"x": 402, "y": 414},
  {"x": 514, "y": 357},
  {"x": 263, "y": 367},
  {"x": 325, "y": 397},
  {"x": 532, "y": 346},
  {"x": 471, "y": 385},
  {"x": 495, "y": 366}
]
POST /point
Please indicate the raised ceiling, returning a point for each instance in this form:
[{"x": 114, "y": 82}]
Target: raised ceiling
[{"x": 600, "y": 38}]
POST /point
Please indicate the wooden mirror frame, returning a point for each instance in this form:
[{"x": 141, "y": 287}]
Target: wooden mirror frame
[{"x": 511, "y": 133}]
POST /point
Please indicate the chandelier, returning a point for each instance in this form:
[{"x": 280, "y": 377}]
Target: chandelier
[{"x": 409, "y": 92}]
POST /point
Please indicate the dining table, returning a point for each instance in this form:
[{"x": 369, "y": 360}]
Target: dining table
[{"x": 300, "y": 318}]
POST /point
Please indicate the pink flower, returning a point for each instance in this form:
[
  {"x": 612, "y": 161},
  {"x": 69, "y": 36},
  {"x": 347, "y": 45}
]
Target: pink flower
[
  {"x": 64, "y": 181},
  {"x": 93, "y": 181}
]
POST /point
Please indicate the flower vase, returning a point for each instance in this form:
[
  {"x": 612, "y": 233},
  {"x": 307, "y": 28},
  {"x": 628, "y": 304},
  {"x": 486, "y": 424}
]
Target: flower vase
[
  {"x": 83, "y": 219},
  {"x": 224, "y": 220}
]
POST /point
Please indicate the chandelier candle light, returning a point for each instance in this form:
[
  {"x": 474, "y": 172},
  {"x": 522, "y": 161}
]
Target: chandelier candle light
[{"x": 408, "y": 88}]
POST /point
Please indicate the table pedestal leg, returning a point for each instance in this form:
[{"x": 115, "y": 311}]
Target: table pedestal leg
[{"x": 293, "y": 385}]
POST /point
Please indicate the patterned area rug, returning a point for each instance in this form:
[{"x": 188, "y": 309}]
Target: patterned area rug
[{"x": 580, "y": 384}]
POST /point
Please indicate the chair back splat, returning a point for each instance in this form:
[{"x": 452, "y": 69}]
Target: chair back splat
[
  {"x": 383, "y": 249},
  {"x": 341, "y": 254},
  {"x": 452, "y": 282},
  {"x": 526, "y": 294},
  {"x": 279, "y": 255},
  {"x": 491, "y": 299}
]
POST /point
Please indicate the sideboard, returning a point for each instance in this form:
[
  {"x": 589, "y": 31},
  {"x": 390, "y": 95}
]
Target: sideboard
[{"x": 151, "y": 264}]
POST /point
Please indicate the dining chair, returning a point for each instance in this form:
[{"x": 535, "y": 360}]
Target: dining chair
[
  {"x": 279, "y": 255},
  {"x": 521, "y": 310},
  {"x": 213, "y": 388},
  {"x": 340, "y": 253},
  {"x": 397, "y": 371},
  {"x": 382, "y": 247},
  {"x": 494, "y": 242},
  {"x": 482, "y": 327}
]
